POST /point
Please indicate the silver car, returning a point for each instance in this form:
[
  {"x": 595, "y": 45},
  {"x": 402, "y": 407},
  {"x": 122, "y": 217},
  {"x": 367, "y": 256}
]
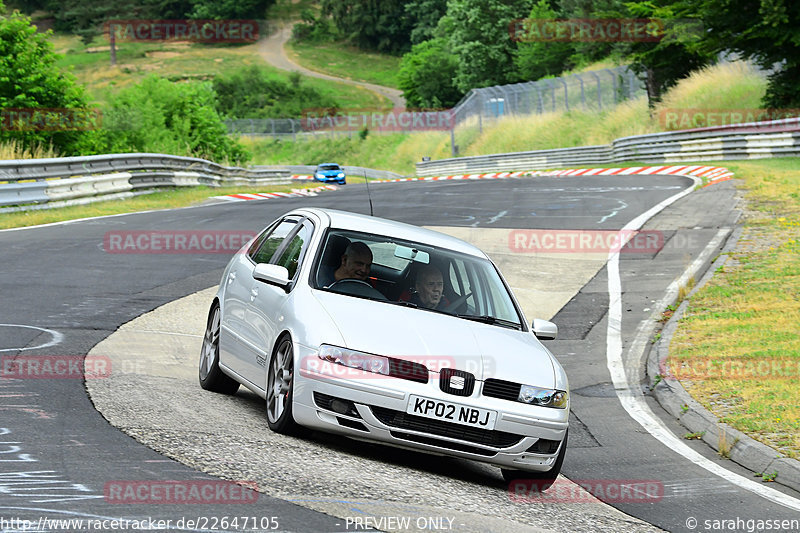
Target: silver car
[{"x": 358, "y": 350}]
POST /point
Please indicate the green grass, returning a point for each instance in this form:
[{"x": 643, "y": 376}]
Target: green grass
[
  {"x": 161, "y": 199},
  {"x": 180, "y": 61},
  {"x": 743, "y": 323},
  {"x": 344, "y": 61},
  {"x": 396, "y": 152}
]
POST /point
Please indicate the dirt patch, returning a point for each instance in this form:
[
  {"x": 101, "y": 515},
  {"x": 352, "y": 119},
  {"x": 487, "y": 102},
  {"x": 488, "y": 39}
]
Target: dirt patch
[{"x": 162, "y": 54}]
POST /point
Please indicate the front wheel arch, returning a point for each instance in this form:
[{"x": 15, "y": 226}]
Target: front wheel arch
[{"x": 279, "y": 393}]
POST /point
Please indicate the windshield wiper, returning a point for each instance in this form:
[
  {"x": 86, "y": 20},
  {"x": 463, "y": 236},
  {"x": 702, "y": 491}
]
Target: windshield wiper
[{"x": 486, "y": 319}]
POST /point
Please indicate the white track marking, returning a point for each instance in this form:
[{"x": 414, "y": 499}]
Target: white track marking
[{"x": 57, "y": 338}]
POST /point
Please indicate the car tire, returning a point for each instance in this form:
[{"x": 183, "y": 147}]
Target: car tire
[
  {"x": 280, "y": 388},
  {"x": 211, "y": 377},
  {"x": 539, "y": 481}
]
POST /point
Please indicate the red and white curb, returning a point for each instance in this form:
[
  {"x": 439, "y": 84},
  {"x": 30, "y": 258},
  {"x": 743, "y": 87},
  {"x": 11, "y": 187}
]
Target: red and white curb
[
  {"x": 492, "y": 175},
  {"x": 711, "y": 174},
  {"x": 295, "y": 193}
]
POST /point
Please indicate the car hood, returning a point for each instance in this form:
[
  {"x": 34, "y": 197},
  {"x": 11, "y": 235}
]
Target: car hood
[
  {"x": 437, "y": 340},
  {"x": 329, "y": 172}
]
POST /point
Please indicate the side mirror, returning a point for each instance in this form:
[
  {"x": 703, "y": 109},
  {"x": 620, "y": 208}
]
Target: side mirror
[
  {"x": 273, "y": 274},
  {"x": 544, "y": 329}
]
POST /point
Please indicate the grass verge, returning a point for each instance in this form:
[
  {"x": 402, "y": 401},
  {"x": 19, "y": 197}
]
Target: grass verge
[
  {"x": 737, "y": 348},
  {"x": 344, "y": 61},
  {"x": 162, "y": 199}
]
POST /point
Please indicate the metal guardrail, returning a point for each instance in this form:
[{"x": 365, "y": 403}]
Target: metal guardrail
[
  {"x": 776, "y": 138},
  {"x": 348, "y": 170},
  {"x": 66, "y": 180}
]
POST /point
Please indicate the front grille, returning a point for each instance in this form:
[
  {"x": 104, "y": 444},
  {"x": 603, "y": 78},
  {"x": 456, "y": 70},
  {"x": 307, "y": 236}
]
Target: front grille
[
  {"x": 486, "y": 437},
  {"x": 457, "y": 382},
  {"x": 443, "y": 444},
  {"x": 505, "y": 390}
]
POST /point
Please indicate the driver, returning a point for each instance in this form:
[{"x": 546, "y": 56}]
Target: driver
[
  {"x": 356, "y": 263},
  {"x": 428, "y": 288}
]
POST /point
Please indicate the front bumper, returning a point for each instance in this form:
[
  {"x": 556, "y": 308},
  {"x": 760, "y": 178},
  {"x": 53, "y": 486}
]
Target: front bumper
[
  {"x": 329, "y": 179},
  {"x": 378, "y": 413}
]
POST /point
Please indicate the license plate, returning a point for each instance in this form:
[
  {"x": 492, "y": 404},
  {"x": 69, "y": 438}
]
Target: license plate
[{"x": 452, "y": 412}]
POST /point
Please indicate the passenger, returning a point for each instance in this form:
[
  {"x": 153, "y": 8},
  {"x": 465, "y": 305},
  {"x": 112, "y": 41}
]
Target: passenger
[
  {"x": 355, "y": 264},
  {"x": 428, "y": 288}
]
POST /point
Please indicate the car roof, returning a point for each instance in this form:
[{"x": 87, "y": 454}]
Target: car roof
[
  {"x": 320, "y": 164},
  {"x": 381, "y": 226}
]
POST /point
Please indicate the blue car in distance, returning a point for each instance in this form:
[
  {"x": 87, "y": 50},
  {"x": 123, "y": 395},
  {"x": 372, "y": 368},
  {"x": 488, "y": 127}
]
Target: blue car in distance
[{"x": 328, "y": 172}]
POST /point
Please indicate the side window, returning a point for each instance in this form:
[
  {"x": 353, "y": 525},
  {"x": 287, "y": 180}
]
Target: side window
[
  {"x": 294, "y": 251},
  {"x": 262, "y": 252}
]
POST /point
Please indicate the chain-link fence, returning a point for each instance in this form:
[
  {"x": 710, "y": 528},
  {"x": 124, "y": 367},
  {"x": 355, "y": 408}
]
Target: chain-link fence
[
  {"x": 270, "y": 127},
  {"x": 595, "y": 90}
]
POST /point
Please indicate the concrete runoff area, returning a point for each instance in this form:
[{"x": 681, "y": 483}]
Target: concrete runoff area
[{"x": 152, "y": 394}]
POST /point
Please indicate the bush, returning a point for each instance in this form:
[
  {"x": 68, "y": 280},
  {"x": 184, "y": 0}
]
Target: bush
[
  {"x": 172, "y": 118},
  {"x": 314, "y": 29},
  {"x": 252, "y": 93},
  {"x": 426, "y": 75}
]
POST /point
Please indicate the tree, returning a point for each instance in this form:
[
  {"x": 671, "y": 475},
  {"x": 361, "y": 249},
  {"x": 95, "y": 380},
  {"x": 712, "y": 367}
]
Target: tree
[
  {"x": 766, "y": 32},
  {"x": 676, "y": 54},
  {"x": 424, "y": 16},
  {"x": 481, "y": 40},
  {"x": 537, "y": 59},
  {"x": 229, "y": 9},
  {"x": 373, "y": 25},
  {"x": 426, "y": 75},
  {"x": 31, "y": 84}
]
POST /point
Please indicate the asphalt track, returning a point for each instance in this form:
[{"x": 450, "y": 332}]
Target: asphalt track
[{"x": 57, "y": 454}]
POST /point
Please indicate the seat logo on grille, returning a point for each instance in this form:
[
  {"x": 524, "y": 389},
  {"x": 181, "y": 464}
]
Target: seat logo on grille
[{"x": 457, "y": 382}]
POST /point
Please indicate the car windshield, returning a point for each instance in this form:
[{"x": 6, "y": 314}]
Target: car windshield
[
  {"x": 412, "y": 274},
  {"x": 329, "y": 167}
]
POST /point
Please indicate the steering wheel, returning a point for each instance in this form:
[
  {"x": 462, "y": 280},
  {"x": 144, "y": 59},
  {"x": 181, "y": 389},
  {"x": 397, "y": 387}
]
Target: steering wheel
[
  {"x": 358, "y": 287},
  {"x": 349, "y": 280},
  {"x": 455, "y": 304}
]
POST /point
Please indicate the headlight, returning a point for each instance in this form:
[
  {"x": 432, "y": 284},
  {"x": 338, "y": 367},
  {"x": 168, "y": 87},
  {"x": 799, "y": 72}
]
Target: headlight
[
  {"x": 341, "y": 175},
  {"x": 354, "y": 359},
  {"x": 543, "y": 397}
]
